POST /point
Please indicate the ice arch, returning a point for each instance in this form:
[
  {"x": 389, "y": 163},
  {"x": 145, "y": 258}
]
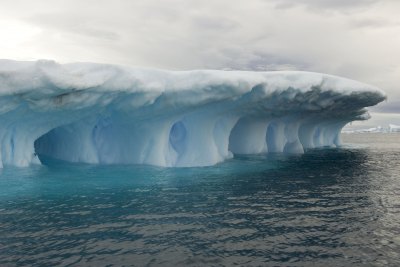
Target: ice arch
[{"x": 105, "y": 114}]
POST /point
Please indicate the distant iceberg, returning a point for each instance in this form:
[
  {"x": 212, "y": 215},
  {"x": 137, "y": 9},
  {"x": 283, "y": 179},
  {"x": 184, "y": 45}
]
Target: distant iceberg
[
  {"x": 106, "y": 114},
  {"x": 392, "y": 128}
]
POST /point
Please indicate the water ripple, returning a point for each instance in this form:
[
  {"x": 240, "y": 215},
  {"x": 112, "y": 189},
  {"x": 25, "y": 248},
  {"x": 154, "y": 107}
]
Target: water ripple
[{"x": 333, "y": 207}]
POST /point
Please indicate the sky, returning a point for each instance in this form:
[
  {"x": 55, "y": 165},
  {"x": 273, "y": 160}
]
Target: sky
[{"x": 357, "y": 39}]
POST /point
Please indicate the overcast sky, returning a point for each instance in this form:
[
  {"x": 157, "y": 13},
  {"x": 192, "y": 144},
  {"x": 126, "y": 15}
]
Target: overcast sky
[{"x": 358, "y": 39}]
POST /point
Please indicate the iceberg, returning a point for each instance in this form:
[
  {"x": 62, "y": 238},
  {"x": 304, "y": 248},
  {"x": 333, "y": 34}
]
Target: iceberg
[
  {"x": 392, "y": 128},
  {"x": 377, "y": 129},
  {"x": 106, "y": 114}
]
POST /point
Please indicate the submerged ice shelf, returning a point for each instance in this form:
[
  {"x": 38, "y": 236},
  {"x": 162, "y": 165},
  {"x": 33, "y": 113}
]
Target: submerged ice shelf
[{"x": 106, "y": 114}]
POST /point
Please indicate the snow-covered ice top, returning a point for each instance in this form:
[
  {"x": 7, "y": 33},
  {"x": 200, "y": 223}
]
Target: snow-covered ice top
[{"x": 94, "y": 113}]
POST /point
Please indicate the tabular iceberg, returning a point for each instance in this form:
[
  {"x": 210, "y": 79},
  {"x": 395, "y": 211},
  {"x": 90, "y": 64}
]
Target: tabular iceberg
[{"x": 106, "y": 114}]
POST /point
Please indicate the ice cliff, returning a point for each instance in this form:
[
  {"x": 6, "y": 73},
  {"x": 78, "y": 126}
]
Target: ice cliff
[{"x": 106, "y": 114}]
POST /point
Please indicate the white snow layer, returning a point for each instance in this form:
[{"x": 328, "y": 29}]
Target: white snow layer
[{"x": 106, "y": 114}]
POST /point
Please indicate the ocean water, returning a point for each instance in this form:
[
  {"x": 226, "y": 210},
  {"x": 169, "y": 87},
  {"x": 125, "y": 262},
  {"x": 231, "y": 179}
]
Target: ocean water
[{"x": 328, "y": 207}]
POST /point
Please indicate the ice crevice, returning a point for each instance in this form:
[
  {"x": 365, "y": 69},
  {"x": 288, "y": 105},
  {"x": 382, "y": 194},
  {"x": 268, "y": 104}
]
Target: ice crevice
[{"x": 105, "y": 114}]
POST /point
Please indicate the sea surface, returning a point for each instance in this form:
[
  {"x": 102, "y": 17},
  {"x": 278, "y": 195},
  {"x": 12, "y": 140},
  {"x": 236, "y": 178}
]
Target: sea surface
[{"x": 328, "y": 207}]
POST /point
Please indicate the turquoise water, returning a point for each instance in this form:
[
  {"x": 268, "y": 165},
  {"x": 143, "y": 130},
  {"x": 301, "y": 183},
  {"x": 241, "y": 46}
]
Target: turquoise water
[{"x": 332, "y": 207}]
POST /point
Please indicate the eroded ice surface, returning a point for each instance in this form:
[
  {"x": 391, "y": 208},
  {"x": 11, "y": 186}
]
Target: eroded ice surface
[{"x": 108, "y": 114}]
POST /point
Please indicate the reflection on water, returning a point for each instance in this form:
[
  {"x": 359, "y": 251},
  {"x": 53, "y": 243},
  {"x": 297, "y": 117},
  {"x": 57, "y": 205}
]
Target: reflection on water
[{"x": 333, "y": 207}]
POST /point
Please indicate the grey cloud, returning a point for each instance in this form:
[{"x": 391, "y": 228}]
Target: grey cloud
[
  {"x": 387, "y": 107},
  {"x": 259, "y": 61},
  {"x": 72, "y": 24},
  {"x": 373, "y": 23},
  {"x": 332, "y": 5},
  {"x": 214, "y": 23}
]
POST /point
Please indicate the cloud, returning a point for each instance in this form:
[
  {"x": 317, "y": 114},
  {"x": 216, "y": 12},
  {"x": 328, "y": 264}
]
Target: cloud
[
  {"x": 331, "y": 5},
  {"x": 72, "y": 24},
  {"x": 373, "y": 23},
  {"x": 260, "y": 61},
  {"x": 388, "y": 107},
  {"x": 358, "y": 39},
  {"x": 213, "y": 23}
]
